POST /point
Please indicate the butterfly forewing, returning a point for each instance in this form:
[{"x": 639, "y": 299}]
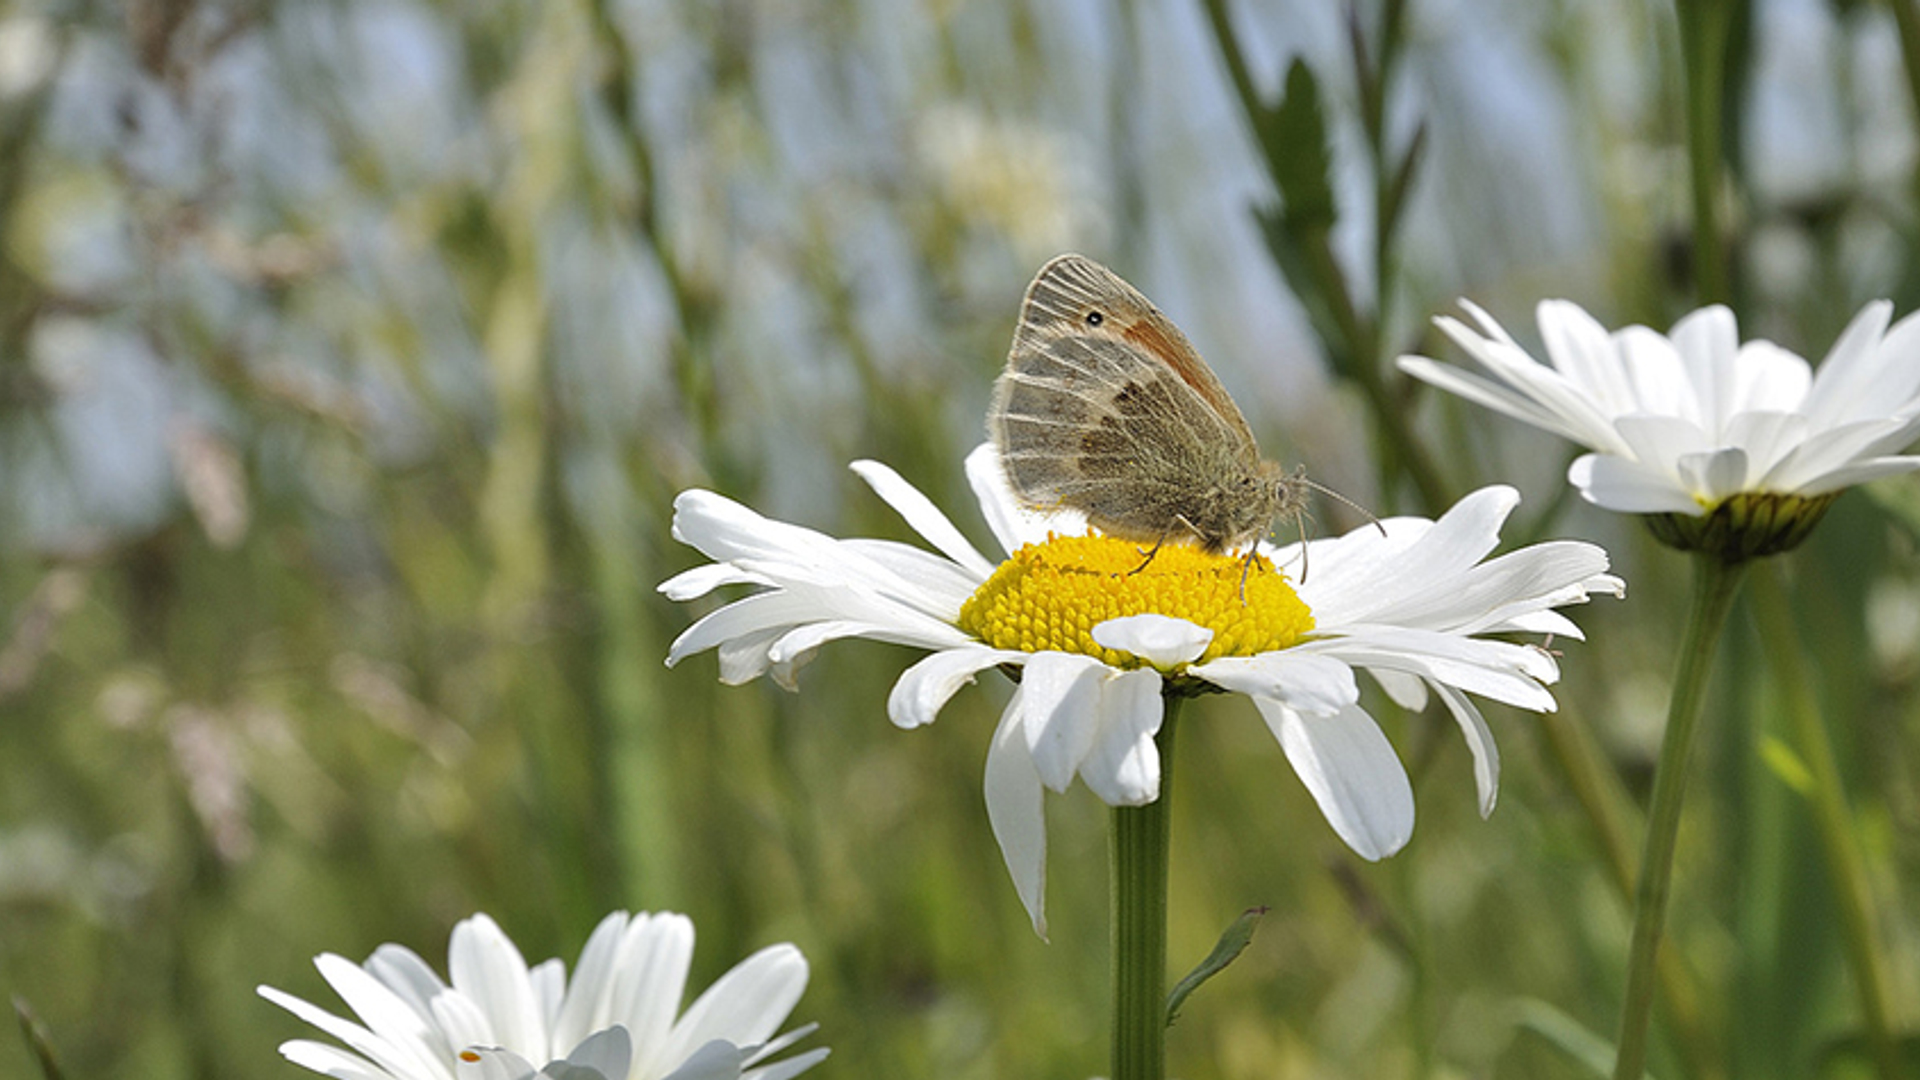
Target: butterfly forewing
[
  {"x": 1086, "y": 423},
  {"x": 1073, "y": 295},
  {"x": 1105, "y": 407}
]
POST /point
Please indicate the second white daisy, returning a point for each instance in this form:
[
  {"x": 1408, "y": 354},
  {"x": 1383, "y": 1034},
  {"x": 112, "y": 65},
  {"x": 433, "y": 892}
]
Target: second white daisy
[{"x": 1731, "y": 446}]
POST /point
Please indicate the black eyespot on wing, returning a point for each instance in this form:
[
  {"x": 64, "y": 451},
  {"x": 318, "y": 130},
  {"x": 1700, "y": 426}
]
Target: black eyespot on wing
[{"x": 1095, "y": 318}]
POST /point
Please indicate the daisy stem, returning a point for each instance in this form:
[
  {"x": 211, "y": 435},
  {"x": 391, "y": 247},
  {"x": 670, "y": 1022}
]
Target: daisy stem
[
  {"x": 1715, "y": 582},
  {"x": 1831, "y": 813},
  {"x": 1139, "y": 861}
]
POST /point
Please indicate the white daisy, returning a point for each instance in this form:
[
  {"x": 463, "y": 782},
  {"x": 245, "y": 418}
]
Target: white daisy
[
  {"x": 1100, "y": 639},
  {"x": 615, "y": 1020},
  {"x": 1736, "y": 448}
]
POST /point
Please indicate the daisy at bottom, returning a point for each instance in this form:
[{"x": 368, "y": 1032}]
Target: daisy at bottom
[{"x": 495, "y": 1018}]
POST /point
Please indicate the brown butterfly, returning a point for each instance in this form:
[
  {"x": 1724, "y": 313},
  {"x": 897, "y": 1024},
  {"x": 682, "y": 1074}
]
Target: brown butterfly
[{"x": 1105, "y": 407}]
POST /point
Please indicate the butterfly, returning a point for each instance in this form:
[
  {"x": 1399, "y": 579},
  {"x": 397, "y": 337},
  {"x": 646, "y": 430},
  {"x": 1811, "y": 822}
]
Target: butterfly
[{"x": 1105, "y": 407}]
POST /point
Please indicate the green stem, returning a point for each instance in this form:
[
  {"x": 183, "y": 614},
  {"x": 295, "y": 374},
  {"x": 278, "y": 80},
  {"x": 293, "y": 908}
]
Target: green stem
[
  {"x": 1598, "y": 792},
  {"x": 1714, "y": 584},
  {"x": 1835, "y": 820},
  {"x": 1139, "y": 861},
  {"x": 1704, "y": 28}
]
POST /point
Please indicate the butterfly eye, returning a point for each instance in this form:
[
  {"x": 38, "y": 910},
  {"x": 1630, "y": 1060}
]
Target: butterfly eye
[{"x": 1094, "y": 318}]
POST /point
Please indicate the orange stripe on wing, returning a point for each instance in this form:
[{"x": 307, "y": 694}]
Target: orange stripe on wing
[{"x": 1170, "y": 347}]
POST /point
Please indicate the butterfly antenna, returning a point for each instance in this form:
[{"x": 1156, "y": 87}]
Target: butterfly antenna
[{"x": 1332, "y": 494}]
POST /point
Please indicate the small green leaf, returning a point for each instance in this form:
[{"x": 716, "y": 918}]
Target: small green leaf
[
  {"x": 1231, "y": 944},
  {"x": 1293, "y": 138}
]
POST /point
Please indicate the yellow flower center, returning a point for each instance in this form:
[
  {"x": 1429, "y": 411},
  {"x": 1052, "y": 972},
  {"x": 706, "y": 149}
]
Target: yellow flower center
[{"x": 1050, "y": 596}]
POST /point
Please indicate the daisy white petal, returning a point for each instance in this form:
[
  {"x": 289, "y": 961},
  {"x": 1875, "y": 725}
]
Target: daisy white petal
[
  {"x": 1306, "y": 682},
  {"x": 1060, "y": 699},
  {"x": 1012, "y": 524},
  {"x": 485, "y": 967},
  {"x": 717, "y": 1060},
  {"x": 582, "y": 1004},
  {"x": 1658, "y": 376},
  {"x": 747, "y": 1005},
  {"x": 701, "y": 580},
  {"x": 1629, "y": 486},
  {"x": 1486, "y": 756},
  {"x": 743, "y": 658},
  {"x": 1123, "y": 766},
  {"x": 1017, "y": 814},
  {"x": 788, "y": 1067},
  {"x": 1407, "y": 691},
  {"x": 493, "y": 1063},
  {"x": 1716, "y": 475},
  {"x": 1852, "y": 381},
  {"x": 1767, "y": 438},
  {"x": 1861, "y": 472},
  {"x": 1352, "y": 773},
  {"x": 1812, "y": 463},
  {"x": 401, "y": 972},
  {"x": 1159, "y": 640},
  {"x": 925, "y": 518},
  {"x": 401, "y": 1055},
  {"x": 1500, "y": 670},
  {"x": 1708, "y": 340},
  {"x": 330, "y": 1060},
  {"x": 609, "y": 1053},
  {"x": 924, "y": 688},
  {"x": 1769, "y": 379},
  {"x": 1527, "y": 391},
  {"x": 641, "y": 987}
]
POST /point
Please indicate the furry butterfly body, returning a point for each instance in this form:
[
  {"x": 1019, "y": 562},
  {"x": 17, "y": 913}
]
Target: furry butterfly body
[{"x": 1105, "y": 407}]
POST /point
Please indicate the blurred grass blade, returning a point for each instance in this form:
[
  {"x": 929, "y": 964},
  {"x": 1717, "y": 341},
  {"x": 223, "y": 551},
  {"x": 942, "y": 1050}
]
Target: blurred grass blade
[
  {"x": 37, "y": 1039},
  {"x": 1233, "y": 941},
  {"x": 1395, "y": 200},
  {"x": 1567, "y": 1035},
  {"x": 1786, "y": 765}
]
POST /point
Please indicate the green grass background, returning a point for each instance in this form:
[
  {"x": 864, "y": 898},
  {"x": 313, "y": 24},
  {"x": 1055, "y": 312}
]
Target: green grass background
[{"x": 457, "y": 297}]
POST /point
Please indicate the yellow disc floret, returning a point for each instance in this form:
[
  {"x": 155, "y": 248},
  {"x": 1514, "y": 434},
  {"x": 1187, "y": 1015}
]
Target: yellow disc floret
[{"x": 1050, "y": 596}]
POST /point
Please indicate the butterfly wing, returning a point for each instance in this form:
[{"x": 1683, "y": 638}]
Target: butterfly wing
[
  {"x": 1106, "y": 407},
  {"x": 1071, "y": 287}
]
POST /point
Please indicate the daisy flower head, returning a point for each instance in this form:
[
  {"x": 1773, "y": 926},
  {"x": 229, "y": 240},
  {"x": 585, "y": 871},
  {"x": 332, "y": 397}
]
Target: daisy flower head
[
  {"x": 495, "y": 1018},
  {"x": 1728, "y": 447},
  {"x": 1100, "y": 641}
]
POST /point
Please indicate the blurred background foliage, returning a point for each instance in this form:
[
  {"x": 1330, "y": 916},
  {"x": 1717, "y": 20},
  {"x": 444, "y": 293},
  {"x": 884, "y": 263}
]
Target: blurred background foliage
[{"x": 352, "y": 351}]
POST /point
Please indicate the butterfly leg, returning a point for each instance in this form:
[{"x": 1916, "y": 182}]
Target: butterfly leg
[
  {"x": 1158, "y": 544},
  {"x": 1149, "y": 555}
]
